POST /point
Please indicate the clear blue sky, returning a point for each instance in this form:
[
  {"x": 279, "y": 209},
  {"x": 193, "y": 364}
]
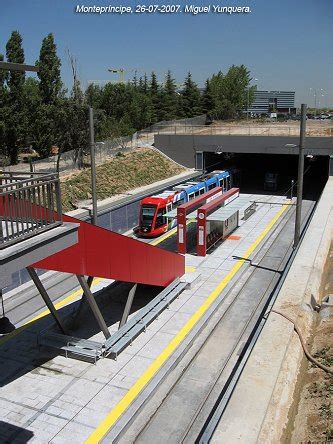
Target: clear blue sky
[{"x": 287, "y": 44}]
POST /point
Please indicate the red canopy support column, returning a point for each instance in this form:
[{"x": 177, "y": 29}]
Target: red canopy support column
[
  {"x": 201, "y": 233},
  {"x": 184, "y": 209},
  {"x": 206, "y": 210},
  {"x": 181, "y": 230}
]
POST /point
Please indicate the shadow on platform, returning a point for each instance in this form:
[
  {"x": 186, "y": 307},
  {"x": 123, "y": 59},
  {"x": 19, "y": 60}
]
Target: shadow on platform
[
  {"x": 19, "y": 351},
  {"x": 10, "y": 432}
]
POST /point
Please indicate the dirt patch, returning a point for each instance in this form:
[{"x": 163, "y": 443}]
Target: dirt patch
[{"x": 314, "y": 418}]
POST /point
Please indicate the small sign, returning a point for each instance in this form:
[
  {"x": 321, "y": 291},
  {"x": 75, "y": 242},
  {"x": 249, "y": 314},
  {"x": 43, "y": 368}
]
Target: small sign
[
  {"x": 201, "y": 236},
  {"x": 181, "y": 233}
]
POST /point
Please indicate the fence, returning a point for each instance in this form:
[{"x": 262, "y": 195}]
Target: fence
[
  {"x": 27, "y": 205},
  {"x": 242, "y": 130},
  {"x": 75, "y": 160},
  {"x": 78, "y": 159}
]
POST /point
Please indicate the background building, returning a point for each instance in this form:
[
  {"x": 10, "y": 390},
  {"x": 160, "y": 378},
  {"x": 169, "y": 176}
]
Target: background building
[{"x": 273, "y": 101}]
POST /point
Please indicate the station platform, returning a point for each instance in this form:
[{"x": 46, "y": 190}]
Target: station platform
[{"x": 46, "y": 397}]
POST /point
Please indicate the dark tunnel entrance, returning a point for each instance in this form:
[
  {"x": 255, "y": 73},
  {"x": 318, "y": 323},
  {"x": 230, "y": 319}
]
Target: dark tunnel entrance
[{"x": 251, "y": 171}]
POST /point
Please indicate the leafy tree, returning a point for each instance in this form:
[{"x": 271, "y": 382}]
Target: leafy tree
[
  {"x": 15, "y": 114},
  {"x": 49, "y": 70},
  {"x": 191, "y": 100},
  {"x": 231, "y": 91},
  {"x": 32, "y": 101},
  {"x": 140, "y": 112},
  {"x": 93, "y": 95},
  {"x": 40, "y": 111}
]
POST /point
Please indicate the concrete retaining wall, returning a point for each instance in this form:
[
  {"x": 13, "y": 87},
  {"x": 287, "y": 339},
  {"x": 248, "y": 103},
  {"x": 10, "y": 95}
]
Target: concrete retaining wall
[
  {"x": 182, "y": 148},
  {"x": 262, "y": 403}
]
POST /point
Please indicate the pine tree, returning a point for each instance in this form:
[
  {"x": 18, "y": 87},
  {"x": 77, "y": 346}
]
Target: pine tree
[
  {"x": 145, "y": 84},
  {"x": 140, "y": 85},
  {"x": 15, "y": 116},
  {"x": 191, "y": 99},
  {"x": 49, "y": 71},
  {"x": 156, "y": 99},
  {"x": 169, "y": 98},
  {"x": 3, "y": 103},
  {"x": 135, "y": 80},
  {"x": 207, "y": 99}
]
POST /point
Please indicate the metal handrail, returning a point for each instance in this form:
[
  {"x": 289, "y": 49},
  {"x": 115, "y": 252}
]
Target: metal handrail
[{"x": 28, "y": 206}]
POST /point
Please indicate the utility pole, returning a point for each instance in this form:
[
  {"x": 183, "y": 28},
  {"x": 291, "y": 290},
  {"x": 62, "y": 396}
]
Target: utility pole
[
  {"x": 93, "y": 166},
  {"x": 248, "y": 101},
  {"x": 248, "y": 98},
  {"x": 301, "y": 147}
]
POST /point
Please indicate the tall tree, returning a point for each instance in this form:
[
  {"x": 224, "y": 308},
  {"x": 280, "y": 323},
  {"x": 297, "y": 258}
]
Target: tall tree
[
  {"x": 191, "y": 99},
  {"x": 49, "y": 70},
  {"x": 231, "y": 91},
  {"x": 135, "y": 80},
  {"x": 15, "y": 117},
  {"x": 207, "y": 99},
  {"x": 156, "y": 99},
  {"x": 93, "y": 95},
  {"x": 145, "y": 84},
  {"x": 32, "y": 103},
  {"x": 3, "y": 104},
  {"x": 170, "y": 98},
  {"x": 76, "y": 93}
]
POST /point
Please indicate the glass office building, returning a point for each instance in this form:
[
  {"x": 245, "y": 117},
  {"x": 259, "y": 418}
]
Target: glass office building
[{"x": 273, "y": 101}]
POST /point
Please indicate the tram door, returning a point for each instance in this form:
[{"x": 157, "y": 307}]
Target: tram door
[{"x": 170, "y": 220}]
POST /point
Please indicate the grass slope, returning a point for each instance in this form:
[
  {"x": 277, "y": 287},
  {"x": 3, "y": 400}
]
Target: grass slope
[{"x": 121, "y": 174}]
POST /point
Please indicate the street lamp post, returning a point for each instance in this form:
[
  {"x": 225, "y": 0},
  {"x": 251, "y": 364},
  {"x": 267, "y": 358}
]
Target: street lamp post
[
  {"x": 248, "y": 100},
  {"x": 300, "y": 176},
  {"x": 93, "y": 166},
  {"x": 301, "y": 147},
  {"x": 315, "y": 95}
]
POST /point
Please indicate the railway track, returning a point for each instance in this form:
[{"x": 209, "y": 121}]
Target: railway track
[
  {"x": 212, "y": 421},
  {"x": 191, "y": 408}
]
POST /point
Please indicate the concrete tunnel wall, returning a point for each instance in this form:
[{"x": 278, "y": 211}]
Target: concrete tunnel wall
[{"x": 182, "y": 148}]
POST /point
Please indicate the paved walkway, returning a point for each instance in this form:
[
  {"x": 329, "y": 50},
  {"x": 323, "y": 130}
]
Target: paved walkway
[{"x": 53, "y": 399}]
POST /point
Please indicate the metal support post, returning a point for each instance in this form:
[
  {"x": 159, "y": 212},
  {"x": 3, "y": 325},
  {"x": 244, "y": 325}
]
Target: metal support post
[
  {"x": 300, "y": 176},
  {"x": 248, "y": 101},
  {"x": 93, "y": 165},
  {"x": 90, "y": 281},
  {"x": 93, "y": 178},
  {"x": 128, "y": 305},
  {"x": 93, "y": 305},
  {"x": 46, "y": 297},
  {"x": 292, "y": 189}
]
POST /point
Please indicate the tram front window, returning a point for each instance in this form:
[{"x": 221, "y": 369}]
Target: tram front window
[{"x": 147, "y": 215}]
